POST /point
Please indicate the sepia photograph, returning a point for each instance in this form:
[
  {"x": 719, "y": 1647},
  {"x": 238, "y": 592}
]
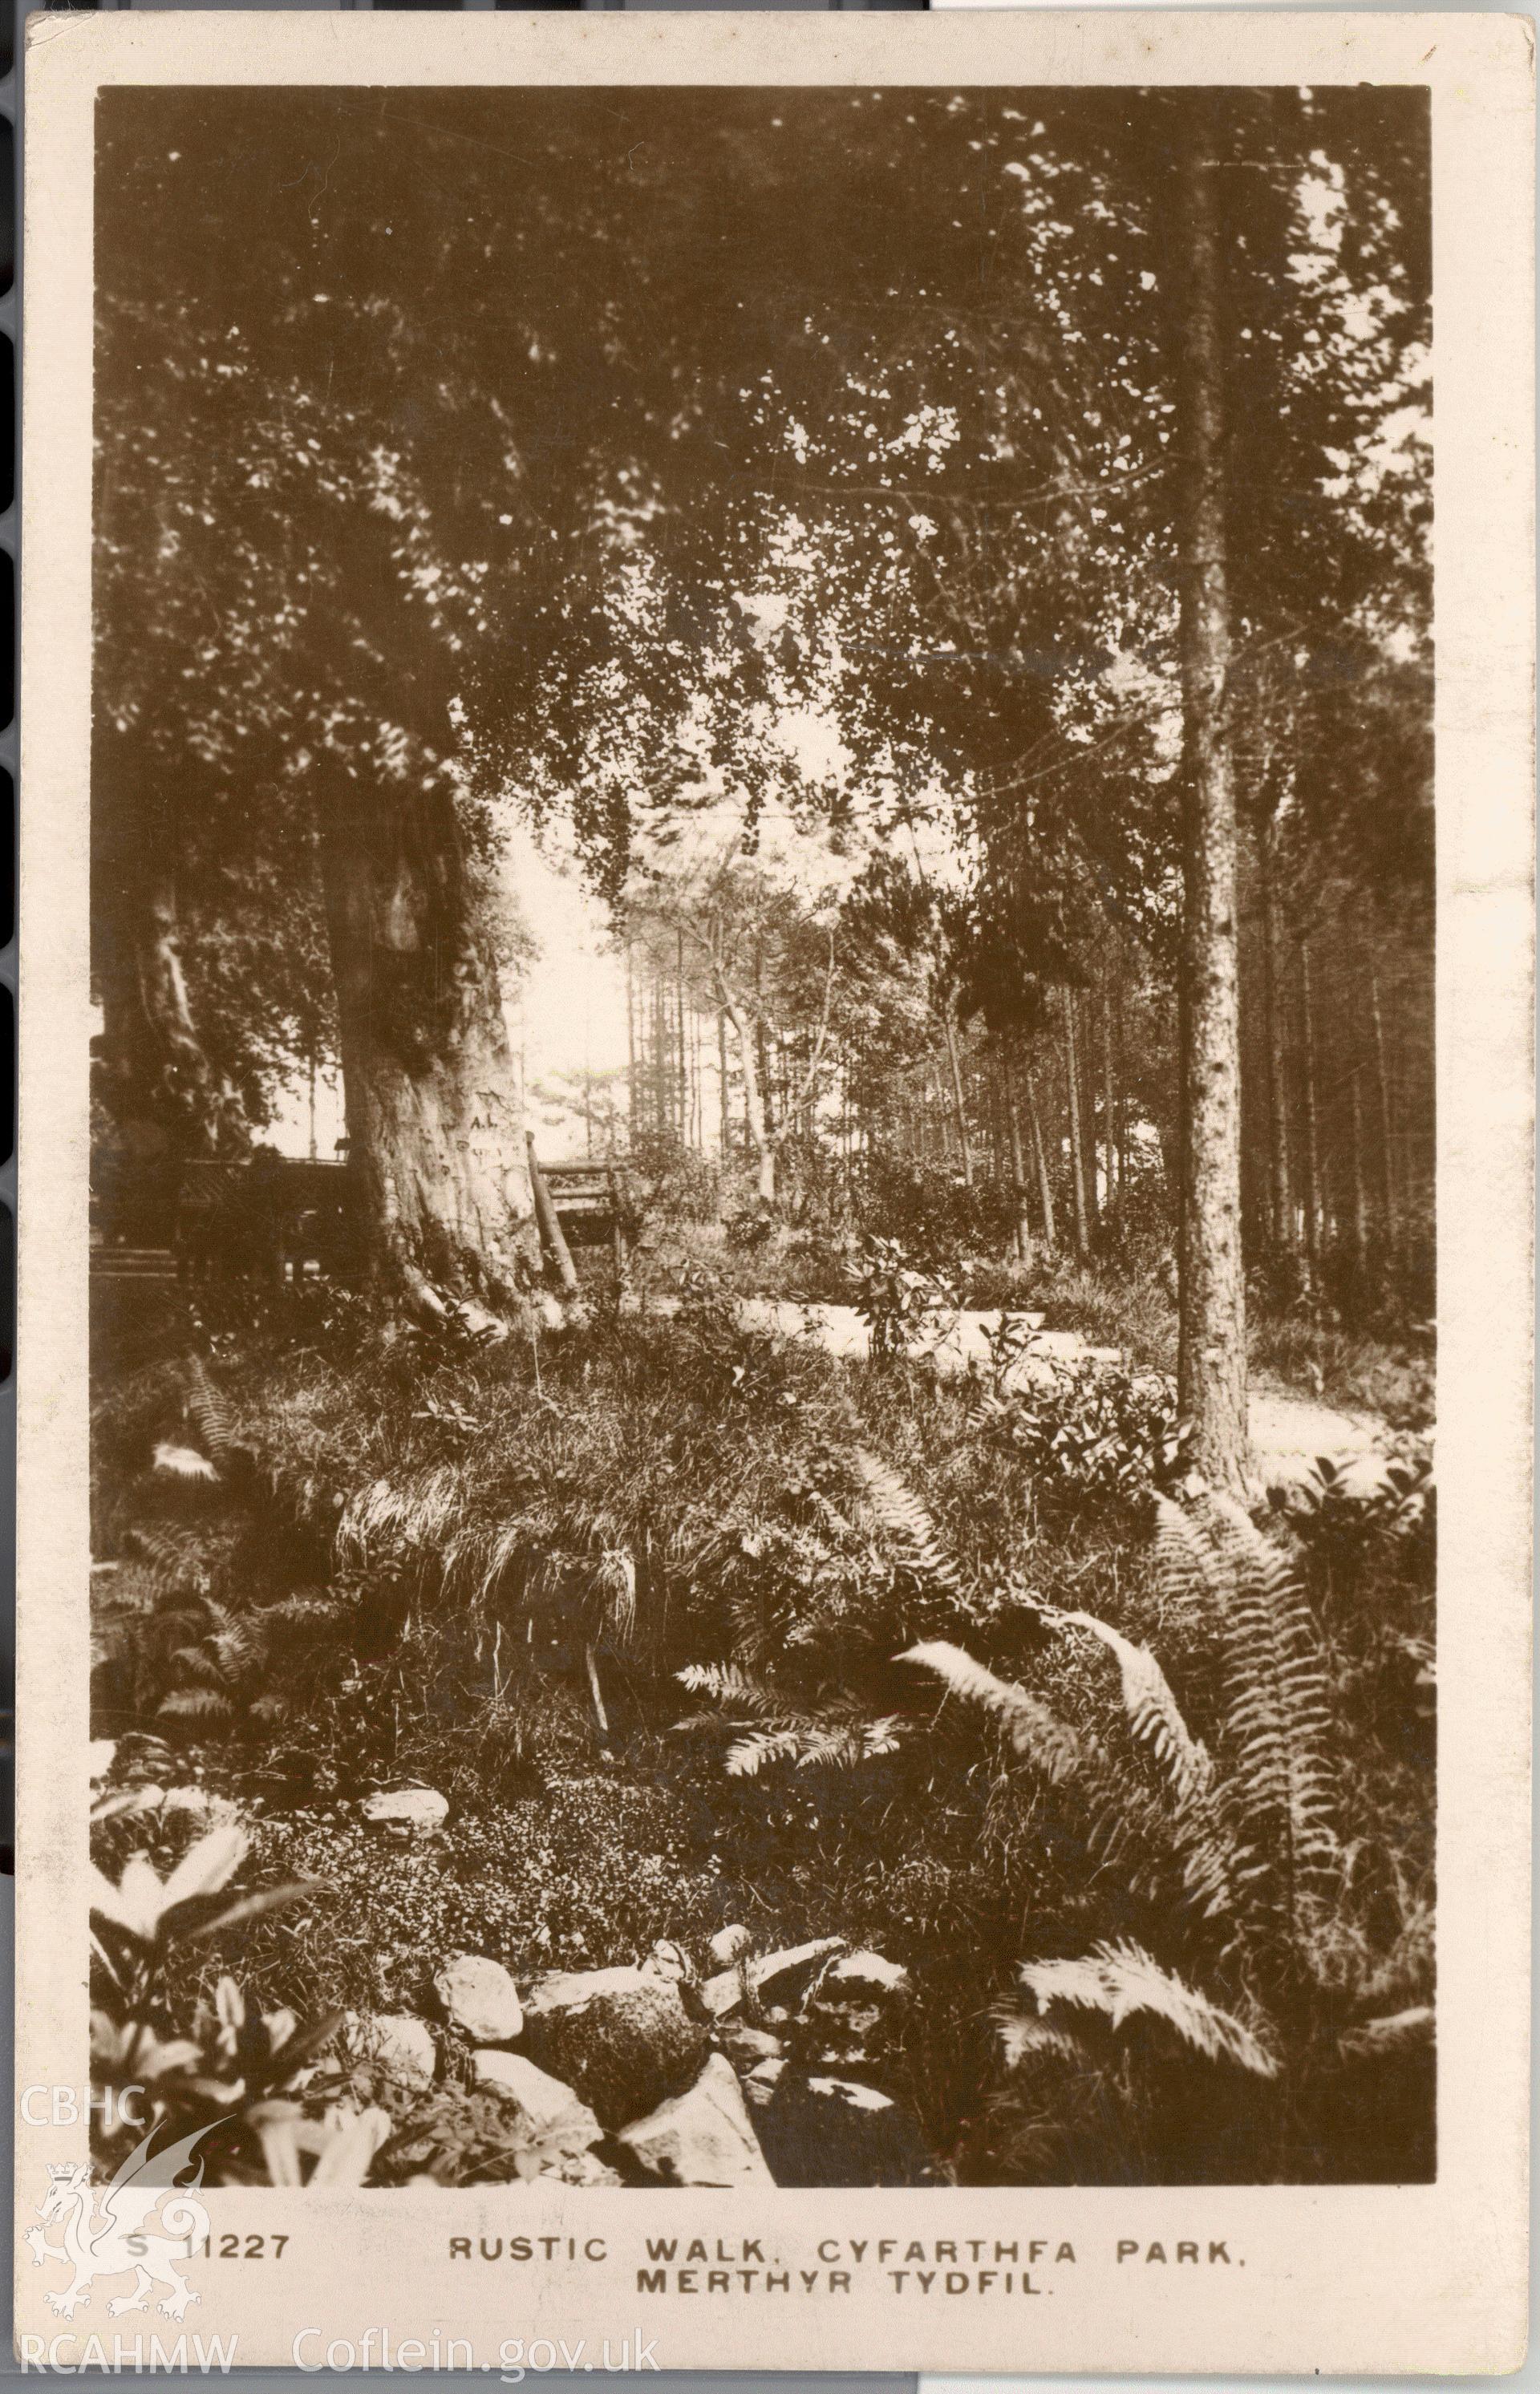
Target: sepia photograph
[{"x": 762, "y": 1136}]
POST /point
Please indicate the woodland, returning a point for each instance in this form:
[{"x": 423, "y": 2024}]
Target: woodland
[{"x": 949, "y": 571}]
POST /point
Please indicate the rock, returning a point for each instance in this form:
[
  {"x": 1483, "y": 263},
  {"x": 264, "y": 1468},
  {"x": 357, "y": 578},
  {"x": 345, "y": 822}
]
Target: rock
[
  {"x": 818, "y": 2131},
  {"x": 668, "y": 1961},
  {"x": 728, "y": 1945},
  {"x": 851, "y": 2012},
  {"x": 702, "y": 2137},
  {"x": 762, "y": 2080},
  {"x": 782, "y": 1978},
  {"x": 479, "y": 1999},
  {"x": 621, "y": 2037},
  {"x": 182, "y": 1462},
  {"x": 550, "y": 2114},
  {"x": 864, "y": 1971},
  {"x": 401, "y": 2044},
  {"x": 744, "y": 2047},
  {"x": 417, "y": 1810},
  {"x": 722, "y": 1993}
]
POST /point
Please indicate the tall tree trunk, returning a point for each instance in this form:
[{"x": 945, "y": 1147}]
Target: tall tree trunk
[
  {"x": 751, "y": 1048},
  {"x": 1386, "y": 1129},
  {"x": 1212, "y": 1350},
  {"x": 1086, "y": 1056},
  {"x": 434, "y": 1104},
  {"x": 1077, "y": 1144},
  {"x": 1312, "y": 1132},
  {"x": 632, "y": 1110},
  {"x": 722, "y": 1083},
  {"x": 1280, "y": 1160},
  {"x": 1044, "y": 1177},
  {"x": 682, "y": 1108},
  {"x": 959, "y": 1102},
  {"x": 1018, "y": 1165},
  {"x": 1109, "y": 1093},
  {"x": 1360, "y": 1179},
  {"x": 1122, "y": 1050}
]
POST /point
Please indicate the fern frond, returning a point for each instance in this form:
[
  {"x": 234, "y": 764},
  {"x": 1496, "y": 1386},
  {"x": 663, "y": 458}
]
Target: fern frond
[
  {"x": 1181, "y": 1560},
  {"x": 1027, "y": 2036},
  {"x": 908, "y": 1522},
  {"x": 746, "y": 1757},
  {"x": 1154, "y": 1712},
  {"x": 208, "y": 1411},
  {"x": 1037, "y": 1733},
  {"x": 1120, "y": 1979},
  {"x": 1397, "y": 2034},
  {"x": 171, "y": 1557},
  {"x": 200, "y": 1665},
  {"x": 1280, "y": 1792},
  {"x": 197, "y": 1704},
  {"x": 1204, "y": 1853},
  {"x": 734, "y": 1688}
]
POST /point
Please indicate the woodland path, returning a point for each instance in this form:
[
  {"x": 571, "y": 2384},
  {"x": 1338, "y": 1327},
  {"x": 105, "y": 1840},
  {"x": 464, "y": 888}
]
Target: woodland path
[{"x": 1287, "y": 1432}]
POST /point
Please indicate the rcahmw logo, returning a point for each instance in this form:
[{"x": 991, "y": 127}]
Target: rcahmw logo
[{"x": 141, "y": 2227}]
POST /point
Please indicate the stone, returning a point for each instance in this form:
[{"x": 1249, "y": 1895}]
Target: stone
[
  {"x": 728, "y": 1945},
  {"x": 721, "y": 1994},
  {"x": 744, "y": 2046},
  {"x": 762, "y": 2080},
  {"x": 782, "y": 1978},
  {"x": 702, "y": 2137},
  {"x": 668, "y": 1960},
  {"x": 621, "y": 2037},
  {"x": 863, "y": 1971},
  {"x": 182, "y": 1462},
  {"x": 550, "y": 2114},
  {"x": 416, "y": 1810},
  {"x": 825, "y": 2131},
  {"x": 397, "y": 2042},
  {"x": 851, "y": 2013},
  {"x": 479, "y": 1998}
]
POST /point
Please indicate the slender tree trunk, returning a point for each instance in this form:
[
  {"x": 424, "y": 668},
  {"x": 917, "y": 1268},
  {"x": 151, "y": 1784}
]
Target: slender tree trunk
[
  {"x": 1109, "y": 1092},
  {"x": 434, "y": 1102},
  {"x": 1360, "y": 1180},
  {"x": 1280, "y": 1173},
  {"x": 722, "y": 1085},
  {"x": 1312, "y": 1134},
  {"x": 1212, "y": 1351},
  {"x": 631, "y": 1109},
  {"x": 1122, "y": 1126},
  {"x": 1077, "y": 1144},
  {"x": 1085, "y": 1054},
  {"x": 1391, "y": 1177},
  {"x": 1044, "y": 1177},
  {"x": 751, "y": 1038},
  {"x": 1018, "y": 1165},
  {"x": 959, "y": 1103},
  {"x": 683, "y": 1049}
]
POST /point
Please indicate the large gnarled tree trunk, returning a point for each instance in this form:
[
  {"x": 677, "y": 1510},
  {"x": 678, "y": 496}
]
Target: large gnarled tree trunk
[
  {"x": 433, "y": 1093},
  {"x": 1211, "y": 1349}
]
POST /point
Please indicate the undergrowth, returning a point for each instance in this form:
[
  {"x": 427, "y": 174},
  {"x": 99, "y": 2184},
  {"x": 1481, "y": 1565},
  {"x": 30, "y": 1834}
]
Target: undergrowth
[{"x": 634, "y": 1600}]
